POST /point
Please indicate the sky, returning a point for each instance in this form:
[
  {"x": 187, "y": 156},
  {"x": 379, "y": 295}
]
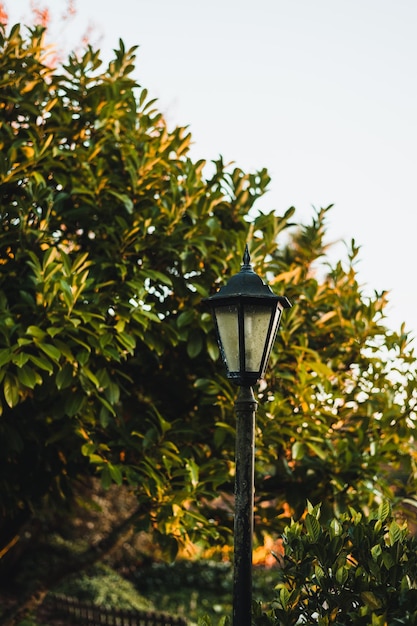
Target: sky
[{"x": 323, "y": 93}]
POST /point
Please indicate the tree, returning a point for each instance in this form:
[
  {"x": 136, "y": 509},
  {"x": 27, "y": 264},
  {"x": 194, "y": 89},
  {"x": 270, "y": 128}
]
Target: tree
[
  {"x": 106, "y": 228},
  {"x": 110, "y": 237}
]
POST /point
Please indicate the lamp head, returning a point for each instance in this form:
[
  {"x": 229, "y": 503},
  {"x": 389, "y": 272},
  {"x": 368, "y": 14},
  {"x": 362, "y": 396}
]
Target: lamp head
[{"x": 246, "y": 314}]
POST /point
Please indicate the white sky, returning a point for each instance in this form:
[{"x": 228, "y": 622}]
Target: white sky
[{"x": 321, "y": 92}]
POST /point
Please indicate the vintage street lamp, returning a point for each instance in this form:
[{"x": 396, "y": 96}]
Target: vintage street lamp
[{"x": 246, "y": 315}]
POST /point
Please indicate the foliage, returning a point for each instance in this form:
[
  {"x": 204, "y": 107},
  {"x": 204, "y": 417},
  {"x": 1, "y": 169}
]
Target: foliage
[
  {"x": 102, "y": 586},
  {"x": 353, "y": 570},
  {"x": 110, "y": 235},
  {"x": 204, "y": 574},
  {"x": 106, "y": 230},
  {"x": 337, "y": 421},
  {"x": 197, "y": 589},
  {"x": 206, "y": 621},
  {"x": 188, "y": 588}
]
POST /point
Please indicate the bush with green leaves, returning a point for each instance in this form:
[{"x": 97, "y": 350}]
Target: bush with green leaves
[
  {"x": 350, "y": 571},
  {"x": 104, "y": 587},
  {"x": 206, "y": 621}
]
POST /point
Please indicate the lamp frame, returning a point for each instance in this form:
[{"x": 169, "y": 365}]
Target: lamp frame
[{"x": 247, "y": 289}]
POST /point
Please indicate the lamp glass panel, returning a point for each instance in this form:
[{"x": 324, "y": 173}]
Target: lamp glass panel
[
  {"x": 256, "y": 324},
  {"x": 274, "y": 328},
  {"x": 228, "y": 326}
]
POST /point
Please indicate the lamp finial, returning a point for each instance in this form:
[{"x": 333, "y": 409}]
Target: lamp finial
[{"x": 246, "y": 258}]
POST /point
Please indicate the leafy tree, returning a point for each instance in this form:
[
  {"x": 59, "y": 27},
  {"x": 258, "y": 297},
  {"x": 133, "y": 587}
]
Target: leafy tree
[
  {"x": 341, "y": 389},
  {"x": 107, "y": 229},
  {"x": 110, "y": 237}
]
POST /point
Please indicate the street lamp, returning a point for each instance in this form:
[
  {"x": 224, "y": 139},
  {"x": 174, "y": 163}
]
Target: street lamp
[{"x": 246, "y": 315}]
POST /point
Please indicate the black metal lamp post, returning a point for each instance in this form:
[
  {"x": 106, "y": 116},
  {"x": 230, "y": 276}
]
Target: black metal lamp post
[{"x": 246, "y": 315}]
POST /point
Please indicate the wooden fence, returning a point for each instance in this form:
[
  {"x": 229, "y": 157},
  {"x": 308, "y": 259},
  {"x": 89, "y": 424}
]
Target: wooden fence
[{"x": 92, "y": 615}]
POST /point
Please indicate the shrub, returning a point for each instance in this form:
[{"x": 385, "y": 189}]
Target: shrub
[
  {"x": 104, "y": 587},
  {"x": 351, "y": 571}
]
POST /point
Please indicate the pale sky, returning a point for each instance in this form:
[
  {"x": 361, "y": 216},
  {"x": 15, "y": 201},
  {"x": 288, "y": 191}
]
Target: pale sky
[{"x": 321, "y": 92}]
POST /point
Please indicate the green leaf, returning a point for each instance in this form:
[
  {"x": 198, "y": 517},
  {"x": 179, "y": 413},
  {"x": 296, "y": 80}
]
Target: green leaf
[
  {"x": 159, "y": 277},
  {"x": 318, "y": 450},
  {"x": 212, "y": 348},
  {"x": 109, "y": 408},
  {"x": 5, "y": 356},
  {"x": 193, "y": 470},
  {"x": 105, "y": 477},
  {"x": 20, "y": 358},
  {"x": 194, "y": 345},
  {"x": 91, "y": 376},
  {"x": 284, "y": 596},
  {"x": 50, "y": 351},
  {"x": 104, "y": 417},
  {"x": 376, "y": 551},
  {"x": 112, "y": 392},
  {"x": 395, "y": 533},
  {"x": 35, "y": 331},
  {"x": 28, "y": 377},
  {"x": 298, "y": 450},
  {"x": 64, "y": 376},
  {"x": 335, "y": 528},
  {"x": 384, "y": 510},
  {"x": 115, "y": 473},
  {"x": 83, "y": 355},
  {"x": 185, "y": 318},
  {"x": 127, "y": 341},
  {"x": 42, "y": 363},
  {"x": 370, "y": 599},
  {"x": 124, "y": 199},
  {"x": 388, "y": 560},
  {"x": 313, "y": 527},
  {"x": 11, "y": 390},
  {"x": 342, "y": 574}
]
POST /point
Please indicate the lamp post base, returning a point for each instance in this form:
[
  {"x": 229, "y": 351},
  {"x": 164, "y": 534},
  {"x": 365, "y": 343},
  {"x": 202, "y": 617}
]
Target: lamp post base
[{"x": 245, "y": 407}]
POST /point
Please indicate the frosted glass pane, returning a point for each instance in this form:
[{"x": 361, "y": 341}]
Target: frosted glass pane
[
  {"x": 275, "y": 324},
  {"x": 227, "y": 323},
  {"x": 256, "y": 330}
]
